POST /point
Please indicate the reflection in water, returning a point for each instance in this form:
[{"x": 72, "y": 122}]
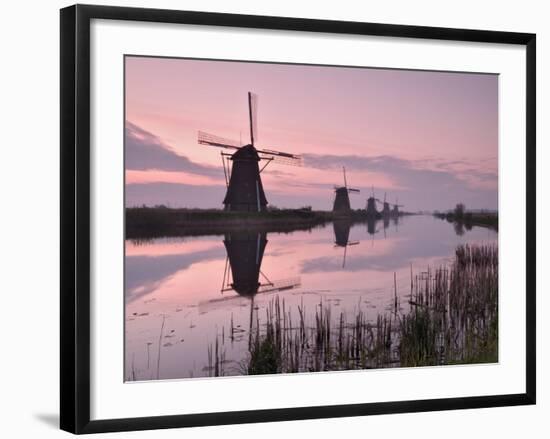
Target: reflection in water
[
  {"x": 245, "y": 251},
  {"x": 341, "y": 236},
  {"x": 177, "y": 281},
  {"x": 371, "y": 226},
  {"x": 386, "y": 221}
]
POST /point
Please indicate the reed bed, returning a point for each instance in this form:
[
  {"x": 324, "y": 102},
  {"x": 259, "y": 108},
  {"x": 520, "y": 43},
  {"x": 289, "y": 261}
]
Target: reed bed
[
  {"x": 452, "y": 318},
  {"x": 454, "y": 312}
]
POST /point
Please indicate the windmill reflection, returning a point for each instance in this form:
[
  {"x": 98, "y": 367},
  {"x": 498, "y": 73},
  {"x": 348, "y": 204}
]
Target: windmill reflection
[
  {"x": 341, "y": 236},
  {"x": 245, "y": 251},
  {"x": 371, "y": 226},
  {"x": 386, "y": 220},
  {"x": 242, "y": 273}
]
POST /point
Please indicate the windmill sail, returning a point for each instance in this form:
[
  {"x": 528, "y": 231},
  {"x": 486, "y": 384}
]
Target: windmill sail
[
  {"x": 280, "y": 285},
  {"x": 221, "y": 142},
  {"x": 253, "y": 115},
  {"x": 282, "y": 158}
]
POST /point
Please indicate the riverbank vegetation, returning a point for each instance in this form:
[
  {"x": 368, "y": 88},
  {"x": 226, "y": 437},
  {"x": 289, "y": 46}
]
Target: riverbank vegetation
[
  {"x": 162, "y": 221},
  {"x": 464, "y": 219}
]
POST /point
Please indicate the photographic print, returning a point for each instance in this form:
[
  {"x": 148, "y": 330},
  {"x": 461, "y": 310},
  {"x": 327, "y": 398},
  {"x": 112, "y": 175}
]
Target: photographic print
[{"x": 294, "y": 218}]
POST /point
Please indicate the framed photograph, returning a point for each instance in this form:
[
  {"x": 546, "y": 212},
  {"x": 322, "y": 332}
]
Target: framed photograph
[{"x": 268, "y": 218}]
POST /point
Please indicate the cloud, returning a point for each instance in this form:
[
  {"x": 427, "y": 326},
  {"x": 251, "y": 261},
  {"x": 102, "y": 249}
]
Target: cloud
[
  {"x": 175, "y": 195},
  {"x": 156, "y": 176},
  {"x": 145, "y": 151},
  {"x": 407, "y": 173},
  {"x": 144, "y": 274}
]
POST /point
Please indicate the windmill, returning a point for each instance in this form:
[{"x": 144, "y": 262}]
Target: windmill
[
  {"x": 372, "y": 212},
  {"x": 341, "y": 199},
  {"x": 395, "y": 210},
  {"x": 245, "y": 191},
  {"x": 385, "y": 207},
  {"x": 341, "y": 236},
  {"x": 242, "y": 272}
]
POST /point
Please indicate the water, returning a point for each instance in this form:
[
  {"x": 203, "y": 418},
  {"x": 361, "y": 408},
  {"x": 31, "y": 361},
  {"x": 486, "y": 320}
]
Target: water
[{"x": 188, "y": 292}]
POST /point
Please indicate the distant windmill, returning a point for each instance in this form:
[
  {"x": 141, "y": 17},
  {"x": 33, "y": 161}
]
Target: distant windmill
[
  {"x": 385, "y": 207},
  {"x": 341, "y": 199},
  {"x": 245, "y": 191},
  {"x": 372, "y": 213},
  {"x": 395, "y": 210}
]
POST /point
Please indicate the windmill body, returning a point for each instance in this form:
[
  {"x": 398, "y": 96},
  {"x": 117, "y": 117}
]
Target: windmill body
[
  {"x": 245, "y": 192},
  {"x": 371, "y": 211},
  {"x": 341, "y": 198},
  {"x": 243, "y": 166}
]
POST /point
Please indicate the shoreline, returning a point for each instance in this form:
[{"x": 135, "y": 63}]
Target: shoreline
[{"x": 153, "y": 222}]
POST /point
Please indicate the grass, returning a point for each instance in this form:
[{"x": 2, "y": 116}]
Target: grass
[{"x": 452, "y": 318}]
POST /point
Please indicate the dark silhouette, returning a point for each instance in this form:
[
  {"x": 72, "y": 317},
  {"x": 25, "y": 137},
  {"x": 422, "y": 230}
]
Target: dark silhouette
[
  {"x": 341, "y": 236},
  {"x": 341, "y": 199}
]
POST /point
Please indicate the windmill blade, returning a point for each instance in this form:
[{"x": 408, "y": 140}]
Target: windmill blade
[
  {"x": 353, "y": 190},
  {"x": 345, "y": 180},
  {"x": 283, "y": 158},
  {"x": 234, "y": 300},
  {"x": 253, "y": 115},
  {"x": 222, "y": 302},
  {"x": 221, "y": 142},
  {"x": 280, "y": 285}
]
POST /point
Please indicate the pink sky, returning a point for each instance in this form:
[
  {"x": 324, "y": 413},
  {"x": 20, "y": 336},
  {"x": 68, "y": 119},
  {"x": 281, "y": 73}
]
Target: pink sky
[{"x": 429, "y": 138}]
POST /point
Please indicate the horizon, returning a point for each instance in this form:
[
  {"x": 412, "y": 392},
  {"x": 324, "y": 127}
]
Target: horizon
[{"x": 428, "y": 139}]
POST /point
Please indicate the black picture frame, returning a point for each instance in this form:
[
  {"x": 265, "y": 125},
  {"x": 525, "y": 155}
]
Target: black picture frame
[{"x": 75, "y": 217}]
